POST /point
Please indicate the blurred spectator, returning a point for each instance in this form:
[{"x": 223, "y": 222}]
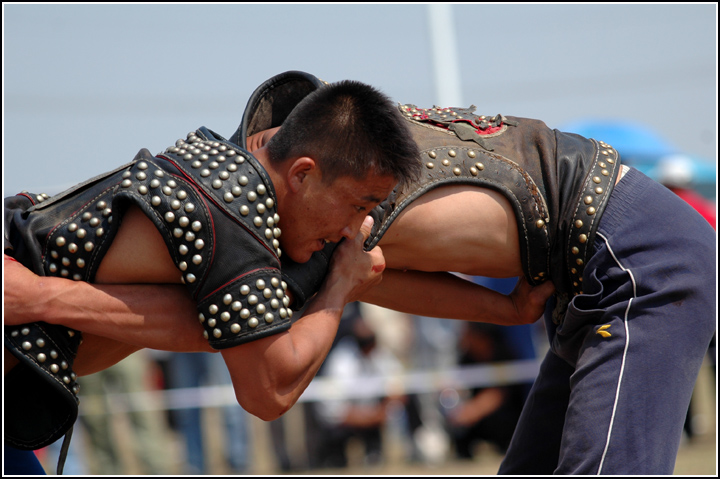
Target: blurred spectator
[
  {"x": 357, "y": 355},
  {"x": 100, "y": 396},
  {"x": 193, "y": 370},
  {"x": 487, "y": 414},
  {"x": 675, "y": 173}
]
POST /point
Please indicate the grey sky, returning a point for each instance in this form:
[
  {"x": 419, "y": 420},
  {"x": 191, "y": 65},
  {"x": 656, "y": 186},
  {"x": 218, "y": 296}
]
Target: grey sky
[{"x": 86, "y": 86}]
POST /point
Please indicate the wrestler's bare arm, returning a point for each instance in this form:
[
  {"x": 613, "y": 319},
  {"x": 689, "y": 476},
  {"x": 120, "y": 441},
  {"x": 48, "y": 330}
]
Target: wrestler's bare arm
[
  {"x": 139, "y": 315},
  {"x": 284, "y": 364},
  {"x": 445, "y": 295}
]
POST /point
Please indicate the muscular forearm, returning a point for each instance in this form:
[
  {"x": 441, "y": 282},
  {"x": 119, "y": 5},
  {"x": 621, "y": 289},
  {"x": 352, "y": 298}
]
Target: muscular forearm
[
  {"x": 270, "y": 374},
  {"x": 445, "y": 295},
  {"x": 441, "y": 295},
  {"x": 285, "y": 364},
  {"x": 150, "y": 316}
]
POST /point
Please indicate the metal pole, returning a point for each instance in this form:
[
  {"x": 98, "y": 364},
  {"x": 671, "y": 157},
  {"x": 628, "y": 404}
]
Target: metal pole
[{"x": 446, "y": 66}]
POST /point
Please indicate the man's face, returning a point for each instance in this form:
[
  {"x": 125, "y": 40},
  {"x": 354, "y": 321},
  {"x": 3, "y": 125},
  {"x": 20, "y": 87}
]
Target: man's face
[{"x": 321, "y": 213}]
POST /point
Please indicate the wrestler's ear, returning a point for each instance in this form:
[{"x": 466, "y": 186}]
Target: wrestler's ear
[{"x": 300, "y": 171}]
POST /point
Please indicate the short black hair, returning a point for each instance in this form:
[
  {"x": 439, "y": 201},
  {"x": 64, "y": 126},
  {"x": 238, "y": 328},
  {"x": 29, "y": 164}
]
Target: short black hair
[{"x": 350, "y": 129}]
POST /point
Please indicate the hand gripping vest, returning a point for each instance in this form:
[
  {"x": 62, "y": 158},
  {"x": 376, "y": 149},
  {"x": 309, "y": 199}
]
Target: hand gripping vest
[{"x": 213, "y": 204}]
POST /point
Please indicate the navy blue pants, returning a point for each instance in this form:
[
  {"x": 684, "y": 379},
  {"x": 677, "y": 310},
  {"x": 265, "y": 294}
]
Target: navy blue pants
[{"x": 613, "y": 391}]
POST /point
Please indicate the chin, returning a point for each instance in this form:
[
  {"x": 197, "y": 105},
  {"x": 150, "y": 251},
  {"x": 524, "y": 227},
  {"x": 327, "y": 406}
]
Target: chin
[{"x": 299, "y": 256}]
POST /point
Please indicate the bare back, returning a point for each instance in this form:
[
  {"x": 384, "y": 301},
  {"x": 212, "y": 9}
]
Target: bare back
[{"x": 458, "y": 228}]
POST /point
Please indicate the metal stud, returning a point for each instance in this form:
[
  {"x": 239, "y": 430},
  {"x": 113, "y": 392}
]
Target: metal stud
[
  {"x": 235, "y": 328},
  {"x": 253, "y": 322}
]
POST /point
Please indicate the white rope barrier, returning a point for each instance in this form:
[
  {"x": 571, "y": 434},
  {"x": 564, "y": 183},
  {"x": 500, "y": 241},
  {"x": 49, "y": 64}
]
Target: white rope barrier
[{"x": 321, "y": 388}]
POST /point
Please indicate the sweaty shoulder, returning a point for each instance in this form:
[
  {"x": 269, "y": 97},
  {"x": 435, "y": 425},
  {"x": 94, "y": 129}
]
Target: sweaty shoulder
[{"x": 458, "y": 228}]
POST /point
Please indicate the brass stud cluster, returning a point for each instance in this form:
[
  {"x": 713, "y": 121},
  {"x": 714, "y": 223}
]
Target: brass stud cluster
[
  {"x": 47, "y": 356},
  {"x": 71, "y": 245},
  {"x": 584, "y": 220},
  {"x": 253, "y": 304},
  {"x": 228, "y": 172}
]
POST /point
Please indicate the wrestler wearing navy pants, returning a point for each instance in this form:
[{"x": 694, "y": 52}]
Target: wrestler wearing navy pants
[{"x": 648, "y": 311}]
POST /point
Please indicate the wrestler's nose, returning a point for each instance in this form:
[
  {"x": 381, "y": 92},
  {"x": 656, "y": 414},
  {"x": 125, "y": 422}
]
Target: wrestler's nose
[{"x": 349, "y": 231}]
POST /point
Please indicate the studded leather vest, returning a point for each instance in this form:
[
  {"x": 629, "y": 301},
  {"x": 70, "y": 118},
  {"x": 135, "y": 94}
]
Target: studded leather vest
[
  {"x": 557, "y": 183},
  {"x": 213, "y": 204}
]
